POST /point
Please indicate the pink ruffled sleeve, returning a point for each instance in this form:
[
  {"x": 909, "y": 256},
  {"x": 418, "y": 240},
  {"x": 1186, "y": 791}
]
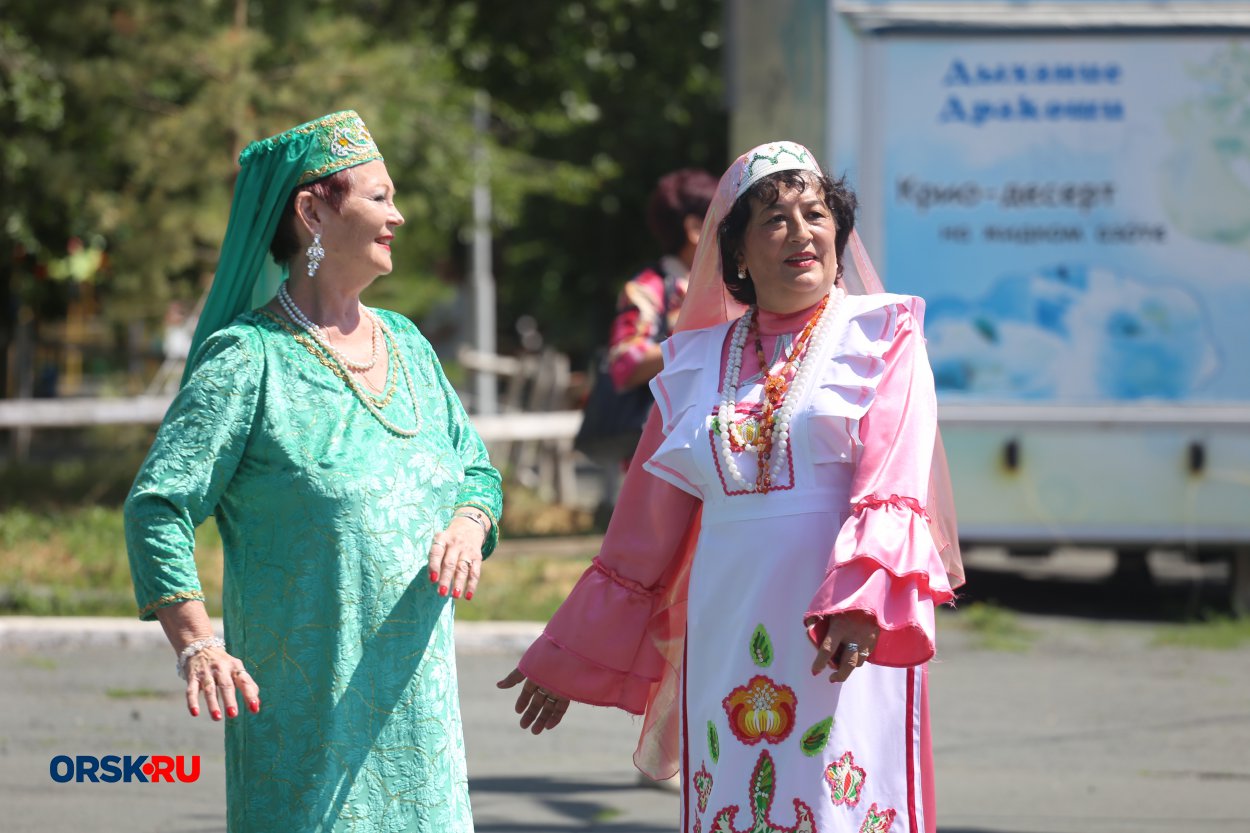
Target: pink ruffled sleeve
[
  {"x": 596, "y": 648},
  {"x": 884, "y": 561}
]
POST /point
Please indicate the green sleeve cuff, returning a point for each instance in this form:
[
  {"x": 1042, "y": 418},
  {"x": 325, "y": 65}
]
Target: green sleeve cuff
[{"x": 148, "y": 612}]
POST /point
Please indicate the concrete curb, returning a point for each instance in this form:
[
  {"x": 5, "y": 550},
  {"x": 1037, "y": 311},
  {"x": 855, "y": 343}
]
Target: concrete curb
[{"x": 49, "y": 633}]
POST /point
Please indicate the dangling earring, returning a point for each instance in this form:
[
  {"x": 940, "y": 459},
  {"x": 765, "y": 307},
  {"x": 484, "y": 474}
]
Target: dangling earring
[
  {"x": 742, "y": 273},
  {"x": 316, "y": 254}
]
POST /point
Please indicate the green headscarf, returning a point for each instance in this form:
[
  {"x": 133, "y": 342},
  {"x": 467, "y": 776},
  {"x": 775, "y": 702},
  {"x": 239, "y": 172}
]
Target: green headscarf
[{"x": 247, "y": 276}]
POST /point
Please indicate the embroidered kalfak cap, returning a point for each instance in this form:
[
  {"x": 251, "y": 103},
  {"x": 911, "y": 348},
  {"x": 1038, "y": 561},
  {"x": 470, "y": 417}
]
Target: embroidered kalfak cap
[
  {"x": 767, "y": 159},
  {"x": 329, "y": 144},
  {"x": 270, "y": 169}
]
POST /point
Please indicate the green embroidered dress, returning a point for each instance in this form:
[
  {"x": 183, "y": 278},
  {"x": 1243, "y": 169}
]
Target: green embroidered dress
[{"x": 326, "y": 517}]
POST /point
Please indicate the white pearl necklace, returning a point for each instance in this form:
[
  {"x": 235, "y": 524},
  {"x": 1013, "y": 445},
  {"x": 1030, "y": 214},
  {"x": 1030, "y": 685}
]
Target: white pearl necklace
[
  {"x": 319, "y": 333},
  {"x": 803, "y": 375}
]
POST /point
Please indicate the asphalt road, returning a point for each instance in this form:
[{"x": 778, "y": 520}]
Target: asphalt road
[{"x": 1080, "y": 723}]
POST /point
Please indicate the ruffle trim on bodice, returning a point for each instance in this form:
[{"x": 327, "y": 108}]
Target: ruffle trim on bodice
[
  {"x": 680, "y": 385},
  {"x": 855, "y": 366},
  {"x": 900, "y": 590},
  {"x": 689, "y": 381},
  {"x": 855, "y": 363}
]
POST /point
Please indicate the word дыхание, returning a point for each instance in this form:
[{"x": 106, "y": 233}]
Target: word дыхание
[{"x": 1025, "y": 106}]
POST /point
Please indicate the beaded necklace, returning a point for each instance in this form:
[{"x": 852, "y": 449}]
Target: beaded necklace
[
  {"x": 323, "y": 338},
  {"x": 780, "y": 395},
  {"x": 374, "y": 405}
]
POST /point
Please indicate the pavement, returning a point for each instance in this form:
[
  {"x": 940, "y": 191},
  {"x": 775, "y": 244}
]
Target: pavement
[{"x": 1059, "y": 713}]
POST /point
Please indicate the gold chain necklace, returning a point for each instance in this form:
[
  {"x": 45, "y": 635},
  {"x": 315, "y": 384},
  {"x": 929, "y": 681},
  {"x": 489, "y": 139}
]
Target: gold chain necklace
[{"x": 372, "y": 403}]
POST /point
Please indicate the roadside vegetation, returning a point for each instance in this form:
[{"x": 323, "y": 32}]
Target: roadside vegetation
[
  {"x": 63, "y": 550},
  {"x": 995, "y": 628},
  {"x": 1217, "y": 632}
]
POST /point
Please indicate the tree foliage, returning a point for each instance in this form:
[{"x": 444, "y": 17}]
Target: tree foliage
[
  {"x": 123, "y": 121},
  {"x": 629, "y": 89}
]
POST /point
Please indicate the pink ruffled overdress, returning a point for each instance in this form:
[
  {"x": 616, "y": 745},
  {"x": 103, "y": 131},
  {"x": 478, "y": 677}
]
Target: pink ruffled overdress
[{"x": 702, "y": 607}]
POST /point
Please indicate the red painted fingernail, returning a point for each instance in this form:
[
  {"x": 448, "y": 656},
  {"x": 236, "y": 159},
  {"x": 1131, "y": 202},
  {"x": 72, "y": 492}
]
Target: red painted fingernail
[
  {"x": 195, "y": 712},
  {"x": 468, "y": 595},
  {"x": 433, "y": 576},
  {"x": 455, "y": 594},
  {"x": 216, "y": 715},
  {"x": 254, "y": 706},
  {"x": 442, "y": 591},
  {"x": 231, "y": 711}
]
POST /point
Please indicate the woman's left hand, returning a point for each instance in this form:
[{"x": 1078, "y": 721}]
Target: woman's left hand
[
  {"x": 851, "y": 637},
  {"x": 539, "y": 709},
  {"x": 456, "y": 558}
]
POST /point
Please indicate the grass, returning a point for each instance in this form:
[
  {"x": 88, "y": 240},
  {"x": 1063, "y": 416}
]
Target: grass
[
  {"x": 1214, "y": 632},
  {"x": 139, "y": 693},
  {"x": 73, "y": 562},
  {"x": 79, "y": 480},
  {"x": 526, "y": 514},
  {"x": 522, "y": 588},
  {"x": 995, "y": 628},
  {"x": 63, "y": 551}
]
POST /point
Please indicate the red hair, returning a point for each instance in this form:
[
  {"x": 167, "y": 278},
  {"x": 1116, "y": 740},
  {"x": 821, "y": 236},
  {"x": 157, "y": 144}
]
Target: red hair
[
  {"x": 678, "y": 195},
  {"x": 332, "y": 190}
]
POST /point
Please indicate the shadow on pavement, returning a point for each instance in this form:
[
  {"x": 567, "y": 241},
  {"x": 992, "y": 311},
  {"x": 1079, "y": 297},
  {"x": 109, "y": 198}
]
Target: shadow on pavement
[
  {"x": 536, "y": 785},
  {"x": 1028, "y": 586},
  {"x": 556, "y": 795},
  {"x": 972, "y": 830}
]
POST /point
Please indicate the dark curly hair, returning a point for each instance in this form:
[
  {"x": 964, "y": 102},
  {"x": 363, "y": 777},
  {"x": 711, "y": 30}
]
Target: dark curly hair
[
  {"x": 838, "y": 196},
  {"x": 332, "y": 189}
]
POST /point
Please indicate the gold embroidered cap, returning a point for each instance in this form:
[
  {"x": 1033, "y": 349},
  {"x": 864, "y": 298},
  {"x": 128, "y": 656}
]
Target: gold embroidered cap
[
  {"x": 270, "y": 170},
  {"x": 331, "y": 143}
]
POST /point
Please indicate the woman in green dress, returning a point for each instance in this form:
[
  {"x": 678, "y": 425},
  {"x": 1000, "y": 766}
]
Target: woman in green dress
[{"x": 354, "y": 500}]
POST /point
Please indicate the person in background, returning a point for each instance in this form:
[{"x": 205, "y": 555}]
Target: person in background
[{"x": 651, "y": 300}]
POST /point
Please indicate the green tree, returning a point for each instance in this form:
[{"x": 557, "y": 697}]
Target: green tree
[
  {"x": 123, "y": 121},
  {"x": 627, "y": 89},
  {"x": 129, "y": 118}
]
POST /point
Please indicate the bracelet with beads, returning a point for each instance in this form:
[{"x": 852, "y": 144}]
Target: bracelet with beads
[{"x": 193, "y": 649}]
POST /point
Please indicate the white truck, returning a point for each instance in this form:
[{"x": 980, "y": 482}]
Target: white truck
[{"x": 1068, "y": 185}]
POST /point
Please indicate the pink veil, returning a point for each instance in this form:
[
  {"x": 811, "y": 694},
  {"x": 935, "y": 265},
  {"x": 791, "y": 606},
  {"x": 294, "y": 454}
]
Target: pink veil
[{"x": 708, "y": 303}]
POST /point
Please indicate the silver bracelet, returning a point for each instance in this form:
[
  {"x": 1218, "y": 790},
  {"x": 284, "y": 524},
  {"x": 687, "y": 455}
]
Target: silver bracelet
[
  {"x": 193, "y": 649},
  {"x": 475, "y": 519}
]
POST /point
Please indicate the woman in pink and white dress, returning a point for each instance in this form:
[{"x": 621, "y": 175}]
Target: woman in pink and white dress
[{"x": 765, "y": 593}]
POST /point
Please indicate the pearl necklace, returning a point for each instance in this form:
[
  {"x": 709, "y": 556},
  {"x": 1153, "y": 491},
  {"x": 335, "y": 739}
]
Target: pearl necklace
[
  {"x": 395, "y": 356},
  {"x": 772, "y": 466},
  {"x": 323, "y": 338}
]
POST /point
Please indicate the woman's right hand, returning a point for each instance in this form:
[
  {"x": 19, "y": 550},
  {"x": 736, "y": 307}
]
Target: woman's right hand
[
  {"x": 210, "y": 672},
  {"x": 220, "y": 678},
  {"x": 539, "y": 709}
]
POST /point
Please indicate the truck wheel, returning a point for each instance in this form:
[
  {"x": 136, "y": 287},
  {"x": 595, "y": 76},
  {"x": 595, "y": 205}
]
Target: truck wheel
[
  {"x": 1239, "y": 581},
  {"x": 1132, "y": 567}
]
